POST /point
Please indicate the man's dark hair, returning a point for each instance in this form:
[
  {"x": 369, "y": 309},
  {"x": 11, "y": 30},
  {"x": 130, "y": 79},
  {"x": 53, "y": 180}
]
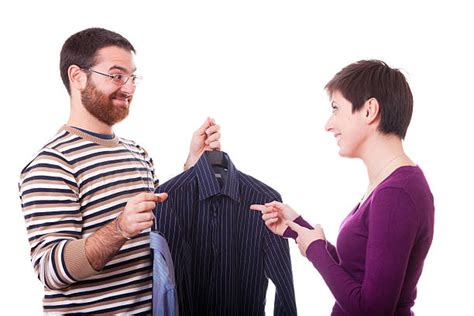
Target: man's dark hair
[
  {"x": 367, "y": 79},
  {"x": 81, "y": 49}
]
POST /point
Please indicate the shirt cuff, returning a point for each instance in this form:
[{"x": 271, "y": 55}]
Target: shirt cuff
[
  {"x": 290, "y": 233},
  {"x": 75, "y": 260}
]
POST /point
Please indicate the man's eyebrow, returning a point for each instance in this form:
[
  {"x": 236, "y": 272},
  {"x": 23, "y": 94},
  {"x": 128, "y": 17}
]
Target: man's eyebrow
[{"x": 117, "y": 67}]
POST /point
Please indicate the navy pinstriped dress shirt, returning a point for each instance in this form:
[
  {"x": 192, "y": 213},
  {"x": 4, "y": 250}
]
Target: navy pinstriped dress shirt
[{"x": 222, "y": 252}]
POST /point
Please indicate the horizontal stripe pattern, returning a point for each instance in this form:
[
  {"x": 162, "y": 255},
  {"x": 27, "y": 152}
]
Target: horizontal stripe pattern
[{"x": 73, "y": 186}]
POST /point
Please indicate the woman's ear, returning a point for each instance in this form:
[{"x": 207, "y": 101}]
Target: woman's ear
[{"x": 372, "y": 110}]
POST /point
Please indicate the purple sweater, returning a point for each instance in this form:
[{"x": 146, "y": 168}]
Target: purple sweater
[{"x": 381, "y": 247}]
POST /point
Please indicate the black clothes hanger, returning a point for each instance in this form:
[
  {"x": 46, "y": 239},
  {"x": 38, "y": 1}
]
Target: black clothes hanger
[
  {"x": 217, "y": 158},
  {"x": 219, "y": 163}
]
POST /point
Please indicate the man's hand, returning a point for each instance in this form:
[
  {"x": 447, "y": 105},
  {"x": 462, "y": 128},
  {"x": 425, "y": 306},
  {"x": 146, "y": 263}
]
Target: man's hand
[
  {"x": 138, "y": 213},
  {"x": 306, "y": 236},
  {"x": 207, "y": 137},
  {"x": 275, "y": 214},
  {"x": 103, "y": 245}
]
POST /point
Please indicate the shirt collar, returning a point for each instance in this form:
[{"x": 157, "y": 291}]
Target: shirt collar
[{"x": 208, "y": 184}]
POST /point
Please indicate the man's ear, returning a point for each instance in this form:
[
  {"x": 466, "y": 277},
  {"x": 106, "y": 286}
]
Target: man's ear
[
  {"x": 372, "y": 110},
  {"x": 77, "y": 77}
]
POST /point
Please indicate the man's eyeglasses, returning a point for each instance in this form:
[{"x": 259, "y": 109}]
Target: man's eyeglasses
[{"x": 118, "y": 79}]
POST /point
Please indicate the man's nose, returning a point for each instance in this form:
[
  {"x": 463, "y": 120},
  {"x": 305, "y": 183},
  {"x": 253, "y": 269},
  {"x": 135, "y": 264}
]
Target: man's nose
[{"x": 129, "y": 87}]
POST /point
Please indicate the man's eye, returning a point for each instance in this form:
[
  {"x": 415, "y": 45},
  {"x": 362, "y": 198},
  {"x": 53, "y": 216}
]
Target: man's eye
[{"x": 118, "y": 77}]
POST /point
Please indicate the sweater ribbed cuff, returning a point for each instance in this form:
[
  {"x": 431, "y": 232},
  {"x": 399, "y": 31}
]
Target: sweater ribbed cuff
[
  {"x": 76, "y": 261},
  {"x": 290, "y": 233}
]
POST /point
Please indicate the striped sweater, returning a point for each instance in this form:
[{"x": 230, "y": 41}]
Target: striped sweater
[{"x": 76, "y": 184}]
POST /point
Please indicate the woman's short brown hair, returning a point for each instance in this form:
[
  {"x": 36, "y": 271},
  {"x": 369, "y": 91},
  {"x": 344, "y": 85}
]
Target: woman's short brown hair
[{"x": 367, "y": 79}]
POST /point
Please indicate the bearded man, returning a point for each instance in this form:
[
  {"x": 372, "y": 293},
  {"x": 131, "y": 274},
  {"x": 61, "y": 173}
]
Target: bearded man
[{"x": 88, "y": 195}]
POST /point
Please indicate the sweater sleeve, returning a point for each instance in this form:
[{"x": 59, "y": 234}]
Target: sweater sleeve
[
  {"x": 392, "y": 227},
  {"x": 51, "y": 208},
  {"x": 290, "y": 233}
]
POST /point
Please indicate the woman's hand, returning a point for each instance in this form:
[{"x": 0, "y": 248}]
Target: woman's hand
[
  {"x": 306, "y": 236},
  {"x": 275, "y": 214}
]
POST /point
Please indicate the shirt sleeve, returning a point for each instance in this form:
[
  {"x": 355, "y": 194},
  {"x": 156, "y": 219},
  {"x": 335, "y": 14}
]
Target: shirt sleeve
[
  {"x": 278, "y": 268},
  {"x": 51, "y": 208},
  {"x": 392, "y": 226}
]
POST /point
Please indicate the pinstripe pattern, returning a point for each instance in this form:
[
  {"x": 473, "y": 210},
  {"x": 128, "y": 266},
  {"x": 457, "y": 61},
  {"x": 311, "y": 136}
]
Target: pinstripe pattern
[
  {"x": 76, "y": 184},
  {"x": 222, "y": 252}
]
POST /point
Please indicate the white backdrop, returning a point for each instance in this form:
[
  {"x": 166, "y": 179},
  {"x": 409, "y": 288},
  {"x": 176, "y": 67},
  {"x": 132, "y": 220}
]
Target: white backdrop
[{"x": 258, "y": 68}]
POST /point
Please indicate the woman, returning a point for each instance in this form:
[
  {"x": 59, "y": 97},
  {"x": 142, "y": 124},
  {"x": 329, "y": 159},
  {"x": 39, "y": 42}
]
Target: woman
[{"x": 384, "y": 240}]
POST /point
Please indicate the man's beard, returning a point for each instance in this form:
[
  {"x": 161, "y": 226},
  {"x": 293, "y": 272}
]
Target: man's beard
[{"x": 101, "y": 106}]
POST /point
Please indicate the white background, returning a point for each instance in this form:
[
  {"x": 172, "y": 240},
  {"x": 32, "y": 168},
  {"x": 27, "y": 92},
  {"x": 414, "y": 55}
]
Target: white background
[{"x": 258, "y": 68}]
